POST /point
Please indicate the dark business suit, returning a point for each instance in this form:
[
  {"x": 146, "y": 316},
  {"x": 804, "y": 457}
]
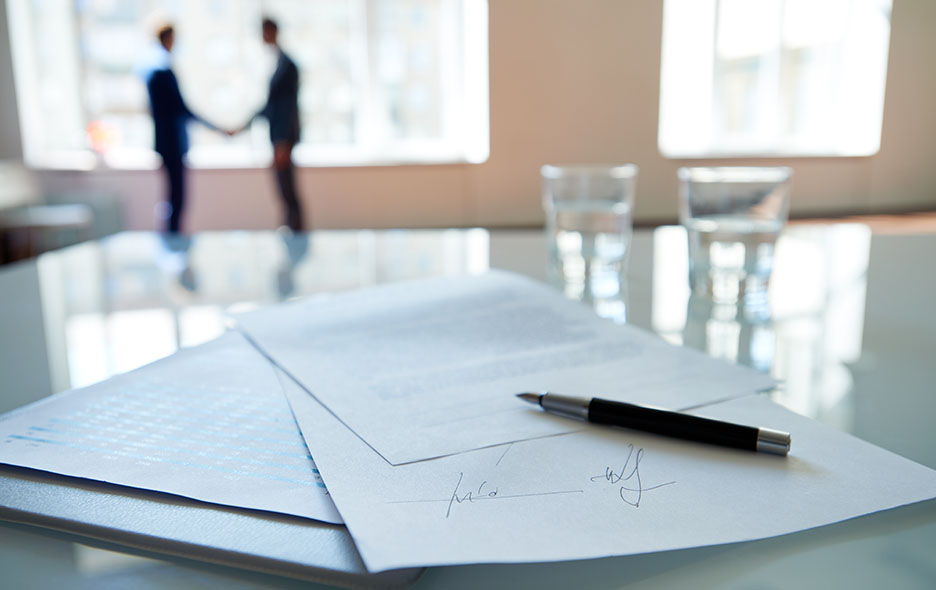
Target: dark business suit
[
  {"x": 170, "y": 119},
  {"x": 282, "y": 112}
]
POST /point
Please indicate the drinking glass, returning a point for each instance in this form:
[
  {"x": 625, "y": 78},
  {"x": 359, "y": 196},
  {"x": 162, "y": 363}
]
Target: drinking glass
[
  {"x": 733, "y": 216},
  {"x": 589, "y": 226}
]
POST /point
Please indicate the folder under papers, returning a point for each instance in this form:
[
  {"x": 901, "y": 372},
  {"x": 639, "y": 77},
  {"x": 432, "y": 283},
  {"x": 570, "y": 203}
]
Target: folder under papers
[{"x": 163, "y": 525}]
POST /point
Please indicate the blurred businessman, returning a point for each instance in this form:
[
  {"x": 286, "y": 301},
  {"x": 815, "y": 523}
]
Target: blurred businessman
[
  {"x": 170, "y": 120},
  {"x": 282, "y": 113}
]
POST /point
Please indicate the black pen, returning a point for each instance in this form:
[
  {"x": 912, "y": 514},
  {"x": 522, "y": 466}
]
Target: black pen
[{"x": 674, "y": 424}]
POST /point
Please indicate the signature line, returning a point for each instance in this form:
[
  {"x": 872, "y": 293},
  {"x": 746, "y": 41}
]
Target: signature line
[
  {"x": 502, "y": 455},
  {"x": 489, "y": 497}
]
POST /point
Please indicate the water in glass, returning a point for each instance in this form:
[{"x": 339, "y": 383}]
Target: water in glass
[
  {"x": 731, "y": 257},
  {"x": 589, "y": 243}
]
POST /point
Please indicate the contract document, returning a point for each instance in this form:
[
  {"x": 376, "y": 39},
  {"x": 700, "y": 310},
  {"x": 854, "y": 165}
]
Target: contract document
[
  {"x": 428, "y": 368},
  {"x": 209, "y": 423},
  {"x": 601, "y": 491}
]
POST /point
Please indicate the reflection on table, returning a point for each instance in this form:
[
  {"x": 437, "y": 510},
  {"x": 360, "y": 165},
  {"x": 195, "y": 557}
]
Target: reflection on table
[{"x": 101, "y": 297}]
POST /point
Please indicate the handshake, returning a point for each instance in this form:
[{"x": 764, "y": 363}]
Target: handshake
[{"x": 282, "y": 151}]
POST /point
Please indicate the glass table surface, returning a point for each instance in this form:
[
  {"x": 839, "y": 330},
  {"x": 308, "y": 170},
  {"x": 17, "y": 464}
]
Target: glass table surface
[{"x": 850, "y": 334}]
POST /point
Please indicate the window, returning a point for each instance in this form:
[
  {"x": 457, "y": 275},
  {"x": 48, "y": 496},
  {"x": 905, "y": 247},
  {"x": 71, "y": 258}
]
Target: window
[
  {"x": 773, "y": 77},
  {"x": 382, "y": 81}
]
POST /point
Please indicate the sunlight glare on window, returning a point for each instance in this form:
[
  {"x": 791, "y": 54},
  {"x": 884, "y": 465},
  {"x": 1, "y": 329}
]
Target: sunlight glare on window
[{"x": 743, "y": 78}]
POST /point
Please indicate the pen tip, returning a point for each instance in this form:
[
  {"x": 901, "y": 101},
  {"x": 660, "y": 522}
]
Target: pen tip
[{"x": 533, "y": 398}]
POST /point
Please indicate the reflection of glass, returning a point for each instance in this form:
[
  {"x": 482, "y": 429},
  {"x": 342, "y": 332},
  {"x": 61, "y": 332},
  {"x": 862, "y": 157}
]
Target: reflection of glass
[
  {"x": 730, "y": 332},
  {"x": 588, "y": 226},
  {"x": 808, "y": 337}
]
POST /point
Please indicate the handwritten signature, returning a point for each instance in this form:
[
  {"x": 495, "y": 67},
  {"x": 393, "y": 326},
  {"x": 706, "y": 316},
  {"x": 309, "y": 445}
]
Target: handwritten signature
[
  {"x": 627, "y": 479},
  {"x": 632, "y": 489},
  {"x": 485, "y": 491},
  {"x": 469, "y": 496}
]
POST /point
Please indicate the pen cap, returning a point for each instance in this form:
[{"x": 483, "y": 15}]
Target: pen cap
[{"x": 773, "y": 441}]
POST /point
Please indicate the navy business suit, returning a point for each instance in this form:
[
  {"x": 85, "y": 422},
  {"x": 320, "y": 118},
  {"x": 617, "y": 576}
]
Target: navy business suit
[
  {"x": 170, "y": 118},
  {"x": 282, "y": 112}
]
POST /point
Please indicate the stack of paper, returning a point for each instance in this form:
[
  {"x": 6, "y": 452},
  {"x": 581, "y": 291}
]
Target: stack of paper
[
  {"x": 404, "y": 395},
  {"x": 209, "y": 423}
]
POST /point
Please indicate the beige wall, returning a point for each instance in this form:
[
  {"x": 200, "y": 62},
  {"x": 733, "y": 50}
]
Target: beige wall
[{"x": 572, "y": 81}]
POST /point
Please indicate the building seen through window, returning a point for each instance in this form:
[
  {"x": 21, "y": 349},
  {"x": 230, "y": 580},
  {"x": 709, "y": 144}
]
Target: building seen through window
[
  {"x": 773, "y": 77},
  {"x": 381, "y": 80}
]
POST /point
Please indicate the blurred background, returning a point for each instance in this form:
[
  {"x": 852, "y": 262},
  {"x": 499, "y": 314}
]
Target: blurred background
[{"x": 439, "y": 113}]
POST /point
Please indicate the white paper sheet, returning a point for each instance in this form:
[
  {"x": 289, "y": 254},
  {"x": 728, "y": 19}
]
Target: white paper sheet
[
  {"x": 602, "y": 491},
  {"x": 209, "y": 423},
  {"x": 428, "y": 368}
]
